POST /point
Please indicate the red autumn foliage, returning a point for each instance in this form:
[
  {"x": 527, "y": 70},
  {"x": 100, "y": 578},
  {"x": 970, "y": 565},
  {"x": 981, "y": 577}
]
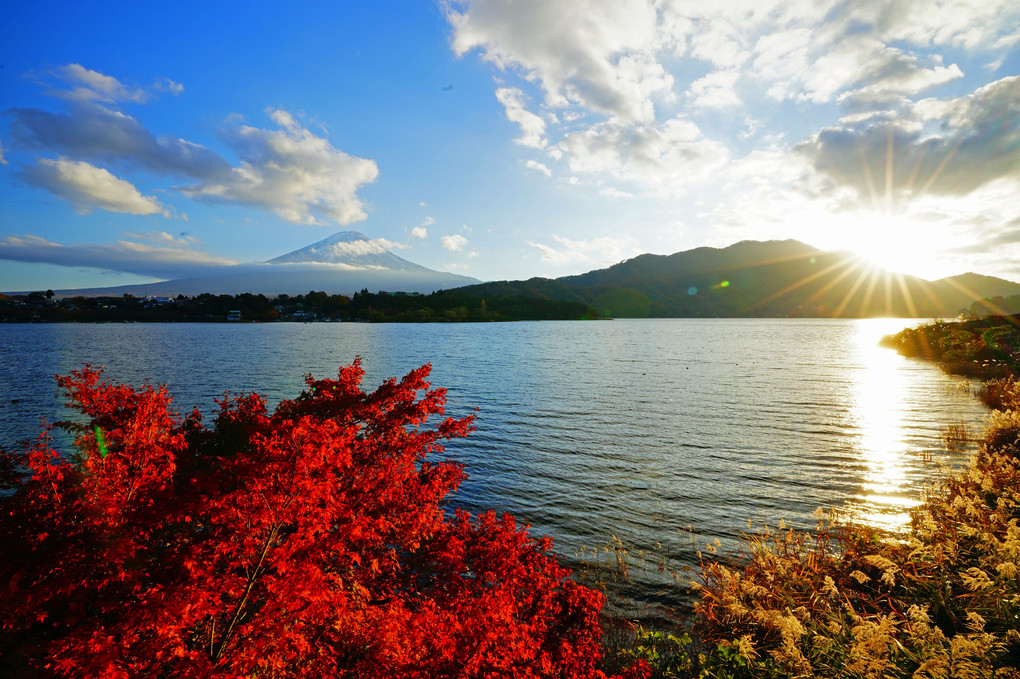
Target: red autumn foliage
[{"x": 310, "y": 541}]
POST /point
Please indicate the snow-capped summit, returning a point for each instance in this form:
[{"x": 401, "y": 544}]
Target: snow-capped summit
[{"x": 350, "y": 248}]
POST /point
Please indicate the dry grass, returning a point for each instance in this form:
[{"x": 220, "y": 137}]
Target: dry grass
[
  {"x": 845, "y": 600},
  {"x": 955, "y": 437}
]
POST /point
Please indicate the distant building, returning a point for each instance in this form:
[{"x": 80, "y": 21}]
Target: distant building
[{"x": 233, "y": 315}]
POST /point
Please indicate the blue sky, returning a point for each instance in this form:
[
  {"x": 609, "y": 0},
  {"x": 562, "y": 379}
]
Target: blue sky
[{"x": 504, "y": 139}]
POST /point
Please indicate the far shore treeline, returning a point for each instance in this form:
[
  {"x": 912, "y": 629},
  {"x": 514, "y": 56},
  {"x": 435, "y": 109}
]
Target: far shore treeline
[{"x": 442, "y": 306}]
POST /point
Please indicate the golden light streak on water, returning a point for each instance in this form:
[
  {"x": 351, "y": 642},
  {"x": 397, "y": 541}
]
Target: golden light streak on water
[{"x": 879, "y": 388}]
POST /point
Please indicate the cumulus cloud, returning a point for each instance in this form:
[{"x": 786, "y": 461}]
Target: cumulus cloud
[
  {"x": 454, "y": 243},
  {"x": 422, "y": 231},
  {"x": 598, "y": 54},
  {"x": 899, "y": 76},
  {"x": 124, "y": 255},
  {"x": 665, "y": 156},
  {"x": 614, "y": 69},
  {"x": 532, "y": 126},
  {"x": 954, "y": 23},
  {"x": 87, "y": 186},
  {"x": 951, "y": 146},
  {"x": 291, "y": 171},
  {"x": 716, "y": 90}
]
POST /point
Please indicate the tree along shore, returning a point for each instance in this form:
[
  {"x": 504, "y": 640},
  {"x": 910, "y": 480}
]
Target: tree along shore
[{"x": 444, "y": 306}]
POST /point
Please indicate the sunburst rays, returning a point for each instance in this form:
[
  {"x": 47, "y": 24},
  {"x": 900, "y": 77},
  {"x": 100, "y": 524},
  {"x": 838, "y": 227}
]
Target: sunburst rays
[{"x": 891, "y": 240}]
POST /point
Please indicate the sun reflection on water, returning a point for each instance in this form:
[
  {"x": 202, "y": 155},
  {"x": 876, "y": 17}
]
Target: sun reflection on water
[{"x": 880, "y": 387}]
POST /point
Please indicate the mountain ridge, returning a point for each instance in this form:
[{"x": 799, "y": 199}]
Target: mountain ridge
[
  {"x": 778, "y": 278},
  {"x": 784, "y": 278}
]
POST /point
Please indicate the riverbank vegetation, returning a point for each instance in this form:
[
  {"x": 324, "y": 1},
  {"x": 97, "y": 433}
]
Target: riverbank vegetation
[
  {"x": 314, "y": 541},
  {"x": 444, "y": 306},
  {"x": 986, "y": 348}
]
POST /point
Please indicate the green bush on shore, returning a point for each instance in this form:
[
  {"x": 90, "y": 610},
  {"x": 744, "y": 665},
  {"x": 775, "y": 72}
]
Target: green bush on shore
[{"x": 987, "y": 348}]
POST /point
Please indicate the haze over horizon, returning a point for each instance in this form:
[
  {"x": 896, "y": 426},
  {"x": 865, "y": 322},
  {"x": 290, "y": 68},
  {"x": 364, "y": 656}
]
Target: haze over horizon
[{"x": 505, "y": 140}]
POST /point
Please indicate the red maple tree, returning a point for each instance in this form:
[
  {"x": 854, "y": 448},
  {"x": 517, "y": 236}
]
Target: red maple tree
[{"x": 310, "y": 541}]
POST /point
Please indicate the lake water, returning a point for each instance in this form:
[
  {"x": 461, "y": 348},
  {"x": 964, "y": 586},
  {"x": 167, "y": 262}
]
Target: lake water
[{"x": 586, "y": 430}]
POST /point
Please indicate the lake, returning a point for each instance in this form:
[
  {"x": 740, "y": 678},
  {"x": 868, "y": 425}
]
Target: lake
[{"x": 586, "y": 430}]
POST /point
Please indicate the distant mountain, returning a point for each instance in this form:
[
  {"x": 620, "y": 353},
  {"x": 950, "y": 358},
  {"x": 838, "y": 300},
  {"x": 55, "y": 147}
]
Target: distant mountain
[
  {"x": 344, "y": 263},
  {"x": 758, "y": 279},
  {"x": 352, "y": 249}
]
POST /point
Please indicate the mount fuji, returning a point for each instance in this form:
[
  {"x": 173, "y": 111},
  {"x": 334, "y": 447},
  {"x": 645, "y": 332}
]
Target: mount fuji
[
  {"x": 350, "y": 248},
  {"x": 341, "y": 264}
]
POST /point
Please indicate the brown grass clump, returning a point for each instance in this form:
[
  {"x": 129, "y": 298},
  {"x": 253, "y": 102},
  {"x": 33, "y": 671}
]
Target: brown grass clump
[
  {"x": 1000, "y": 394},
  {"x": 846, "y": 600},
  {"x": 955, "y": 437}
]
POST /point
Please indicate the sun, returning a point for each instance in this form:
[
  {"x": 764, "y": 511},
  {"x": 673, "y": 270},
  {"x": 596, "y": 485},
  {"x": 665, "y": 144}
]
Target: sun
[
  {"x": 893, "y": 243},
  {"x": 897, "y": 246}
]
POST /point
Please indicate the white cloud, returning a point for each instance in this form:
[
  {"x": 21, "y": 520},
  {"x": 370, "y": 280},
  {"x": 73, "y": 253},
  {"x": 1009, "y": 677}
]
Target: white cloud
[
  {"x": 123, "y": 255},
  {"x": 900, "y": 76},
  {"x": 167, "y": 85},
  {"x": 716, "y": 90},
  {"x": 662, "y": 157},
  {"x": 613, "y": 66},
  {"x": 421, "y": 231},
  {"x": 532, "y": 126},
  {"x": 77, "y": 83},
  {"x": 290, "y": 171},
  {"x": 88, "y": 85},
  {"x": 88, "y": 187},
  {"x": 951, "y": 146},
  {"x": 182, "y": 239},
  {"x": 300, "y": 176},
  {"x": 604, "y": 250},
  {"x": 338, "y": 250},
  {"x": 720, "y": 43},
  {"x": 598, "y": 54},
  {"x": 3, "y": 161},
  {"x": 953, "y": 23},
  {"x": 95, "y": 133},
  {"x": 539, "y": 167},
  {"x": 454, "y": 243}
]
